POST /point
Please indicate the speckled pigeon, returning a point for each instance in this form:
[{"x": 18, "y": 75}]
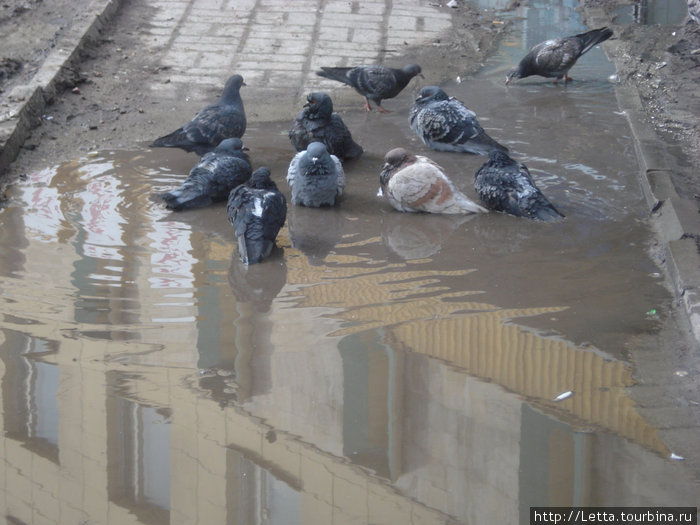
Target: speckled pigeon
[
  {"x": 315, "y": 177},
  {"x": 257, "y": 210},
  {"x": 553, "y": 58},
  {"x": 446, "y": 124},
  {"x": 317, "y": 123},
  {"x": 694, "y": 10},
  {"x": 414, "y": 183},
  {"x": 375, "y": 83},
  {"x": 216, "y": 122},
  {"x": 506, "y": 185},
  {"x": 214, "y": 176}
]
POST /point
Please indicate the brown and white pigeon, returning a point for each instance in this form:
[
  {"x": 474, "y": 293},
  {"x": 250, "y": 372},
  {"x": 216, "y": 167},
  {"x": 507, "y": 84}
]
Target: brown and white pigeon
[
  {"x": 317, "y": 123},
  {"x": 506, "y": 185},
  {"x": 222, "y": 120},
  {"x": 446, "y": 124},
  {"x": 375, "y": 83},
  {"x": 413, "y": 183},
  {"x": 315, "y": 177},
  {"x": 553, "y": 58}
]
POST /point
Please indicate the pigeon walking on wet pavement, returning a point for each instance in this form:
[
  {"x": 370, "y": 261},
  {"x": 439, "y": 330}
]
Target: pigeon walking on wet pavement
[
  {"x": 216, "y": 122},
  {"x": 413, "y": 183},
  {"x": 318, "y": 123},
  {"x": 506, "y": 185},
  {"x": 553, "y": 58},
  {"x": 315, "y": 177},
  {"x": 256, "y": 210},
  {"x": 214, "y": 176},
  {"x": 446, "y": 124},
  {"x": 375, "y": 83}
]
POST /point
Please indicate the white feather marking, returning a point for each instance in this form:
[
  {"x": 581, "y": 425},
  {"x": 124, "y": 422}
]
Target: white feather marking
[{"x": 257, "y": 207}]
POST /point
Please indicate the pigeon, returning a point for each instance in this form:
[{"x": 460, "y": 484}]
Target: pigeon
[
  {"x": 375, "y": 83},
  {"x": 694, "y": 10},
  {"x": 414, "y": 183},
  {"x": 553, "y": 58},
  {"x": 256, "y": 210},
  {"x": 317, "y": 123},
  {"x": 504, "y": 184},
  {"x": 446, "y": 124},
  {"x": 214, "y": 176},
  {"x": 315, "y": 177},
  {"x": 216, "y": 122}
]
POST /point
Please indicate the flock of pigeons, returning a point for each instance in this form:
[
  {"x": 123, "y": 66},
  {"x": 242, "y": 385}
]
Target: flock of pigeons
[{"x": 411, "y": 183}]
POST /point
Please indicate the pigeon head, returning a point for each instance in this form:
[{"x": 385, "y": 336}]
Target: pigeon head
[
  {"x": 316, "y": 151},
  {"x": 500, "y": 158},
  {"x": 232, "y": 87},
  {"x": 319, "y": 104},
  {"x": 260, "y": 179},
  {"x": 412, "y": 70},
  {"x": 431, "y": 93},
  {"x": 513, "y": 73},
  {"x": 230, "y": 145},
  {"x": 394, "y": 160}
]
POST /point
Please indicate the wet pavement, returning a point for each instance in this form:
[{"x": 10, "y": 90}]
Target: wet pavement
[{"x": 381, "y": 367}]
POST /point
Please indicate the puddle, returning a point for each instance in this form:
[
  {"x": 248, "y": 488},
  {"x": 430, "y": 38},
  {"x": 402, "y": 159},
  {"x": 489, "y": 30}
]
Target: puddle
[
  {"x": 381, "y": 367},
  {"x": 645, "y": 12}
]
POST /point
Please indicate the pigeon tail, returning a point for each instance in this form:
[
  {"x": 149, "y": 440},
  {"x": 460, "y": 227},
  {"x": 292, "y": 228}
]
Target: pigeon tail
[
  {"x": 185, "y": 198},
  {"x": 335, "y": 73},
  {"x": 547, "y": 213},
  {"x": 252, "y": 251},
  {"x": 593, "y": 38},
  {"x": 176, "y": 139}
]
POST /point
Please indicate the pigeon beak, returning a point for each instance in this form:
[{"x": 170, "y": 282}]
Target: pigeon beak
[
  {"x": 314, "y": 159},
  {"x": 245, "y": 148}
]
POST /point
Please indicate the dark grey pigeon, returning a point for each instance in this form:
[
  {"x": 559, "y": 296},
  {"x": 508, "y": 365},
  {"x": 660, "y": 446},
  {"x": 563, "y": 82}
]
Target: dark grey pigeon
[
  {"x": 216, "y": 122},
  {"x": 317, "y": 123},
  {"x": 315, "y": 177},
  {"x": 506, "y": 185},
  {"x": 553, "y": 58},
  {"x": 257, "y": 210},
  {"x": 446, "y": 124},
  {"x": 214, "y": 176},
  {"x": 375, "y": 83}
]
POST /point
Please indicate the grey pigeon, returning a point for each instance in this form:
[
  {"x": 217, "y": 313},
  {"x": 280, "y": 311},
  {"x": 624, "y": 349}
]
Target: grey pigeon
[
  {"x": 257, "y": 210},
  {"x": 214, "y": 176},
  {"x": 216, "y": 122},
  {"x": 694, "y": 10},
  {"x": 315, "y": 177},
  {"x": 375, "y": 83},
  {"x": 317, "y": 123},
  {"x": 506, "y": 185},
  {"x": 553, "y": 58},
  {"x": 413, "y": 183},
  {"x": 446, "y": 124}
]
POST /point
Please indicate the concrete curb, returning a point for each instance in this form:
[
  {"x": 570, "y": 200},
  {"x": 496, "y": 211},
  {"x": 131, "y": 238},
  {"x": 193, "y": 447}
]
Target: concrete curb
[
  {"x": 26, "y": 103},
  {"x": 676, "y": 220}
]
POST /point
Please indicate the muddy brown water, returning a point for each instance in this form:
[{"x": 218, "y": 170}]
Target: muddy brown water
[{"x": 379, "y": 368}]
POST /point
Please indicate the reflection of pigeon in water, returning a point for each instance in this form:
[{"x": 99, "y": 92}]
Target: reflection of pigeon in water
[
  {"x": 446, "y": 124},
  {"x": 317, "y": 123},
  {"x": 375, "y": 83},
  {"x": 315, "y": 177},
  {"x": 419, "y": 237},
  {"x": 257, "y": 210},
  {"x": 694, "y": 10},
  {"x": 554, "y": 58},
  {"x": 211, "y": 180},
  {"x": 216, "y": 122},
  {"x": 415, "y": 183},
  {"x": 504, "y": 184},
  {"x": 315, "y": 232},
  {"x": 258, "y": 284}
]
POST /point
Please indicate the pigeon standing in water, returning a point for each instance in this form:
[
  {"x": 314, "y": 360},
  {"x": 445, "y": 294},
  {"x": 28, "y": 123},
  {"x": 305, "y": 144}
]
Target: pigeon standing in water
[
  {"x": 315, "y": 177},
  {"x": 216, "y": 122},
  {"x": 506, "y": 185},
  {"x": 446, "y": 124},
  {"x": 317, "y": 123},
  {"x": 375, "y": 83},
  {"x": 553, "y": 58},
  {"x": 414, "y": 183},
  {"x": 257, "y": 210},
  {"x": 214, "y": 176}
]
